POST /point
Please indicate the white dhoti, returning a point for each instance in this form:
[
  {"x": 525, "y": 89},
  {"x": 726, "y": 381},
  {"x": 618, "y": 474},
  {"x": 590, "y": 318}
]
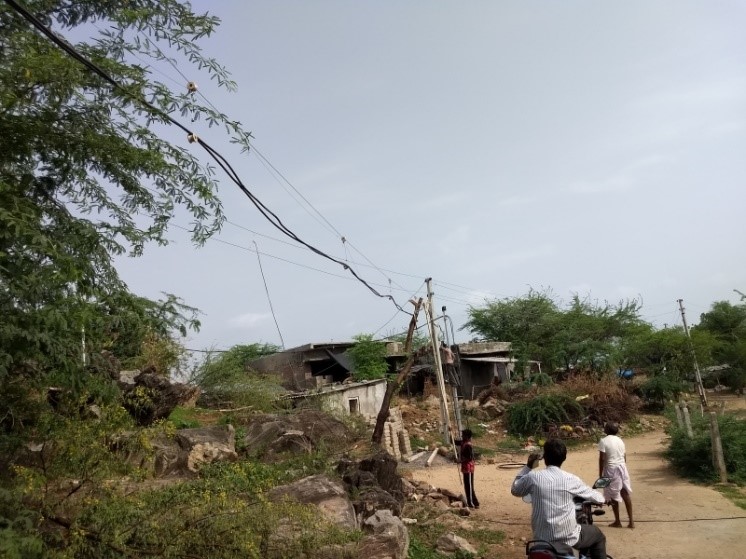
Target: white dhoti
[{"x": 619, "y": 480}]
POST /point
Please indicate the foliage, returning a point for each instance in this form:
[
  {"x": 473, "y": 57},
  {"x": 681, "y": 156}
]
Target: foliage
[
  {"x": 726, "y": 323},
  {"x": 606, "y": 399},
  {"x": 18, "y": 536},
  {"x": 582, "y": 335},
  {"x": 368, "y": 358},
  {"x": 667, "y": 350},
  {"x": 225, "y": 379},
  {"x": 184, "y": 418},
  {"x": 661, "y": 388},
  {"x": 223, "y": 514},
  {"x": 542, "y": 379},
  {"x": 692, "y": 458},
  {"x": 533, "y": 416}
]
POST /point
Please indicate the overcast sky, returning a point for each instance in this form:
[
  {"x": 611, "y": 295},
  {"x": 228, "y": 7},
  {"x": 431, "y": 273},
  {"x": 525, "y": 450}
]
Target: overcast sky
[{"x": 591, "y": 147}]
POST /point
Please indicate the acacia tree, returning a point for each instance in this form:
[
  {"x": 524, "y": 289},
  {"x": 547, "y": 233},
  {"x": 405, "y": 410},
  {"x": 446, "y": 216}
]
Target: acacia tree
[
  {"x": 85, "y": 174},
  {"x": 726, "y": 323},
  {"x": 584, "y": 334}
]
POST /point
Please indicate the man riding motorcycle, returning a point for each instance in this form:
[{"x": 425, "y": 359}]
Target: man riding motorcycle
[{"x": 552, "y": 507}]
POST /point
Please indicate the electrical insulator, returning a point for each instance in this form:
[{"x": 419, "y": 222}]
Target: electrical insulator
[{"x": 192, "y": 87}]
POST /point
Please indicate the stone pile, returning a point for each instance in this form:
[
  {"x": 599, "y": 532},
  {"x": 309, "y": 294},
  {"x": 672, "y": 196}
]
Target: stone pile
[{"x": 396, "y": 437}]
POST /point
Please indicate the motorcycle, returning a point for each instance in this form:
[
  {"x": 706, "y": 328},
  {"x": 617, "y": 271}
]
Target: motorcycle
[{"x": 584, "y": 513}]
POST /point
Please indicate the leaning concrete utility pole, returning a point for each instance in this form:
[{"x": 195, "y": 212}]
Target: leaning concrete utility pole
[
  {"x": 700, "y": 386},
  {"x": 435, "y": 343}
]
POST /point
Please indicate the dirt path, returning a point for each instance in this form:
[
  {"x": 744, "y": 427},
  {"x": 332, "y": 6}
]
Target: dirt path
[{"x": 675, "y": 519}]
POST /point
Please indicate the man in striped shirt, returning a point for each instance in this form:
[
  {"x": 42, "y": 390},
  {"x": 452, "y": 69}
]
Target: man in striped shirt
[{"x": 552, "y": 508}]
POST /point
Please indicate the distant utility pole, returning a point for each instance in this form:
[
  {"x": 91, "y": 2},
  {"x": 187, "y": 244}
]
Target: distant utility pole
[
  {"x": 700, "y": 387},
  {"x": 435, "y": 343}
]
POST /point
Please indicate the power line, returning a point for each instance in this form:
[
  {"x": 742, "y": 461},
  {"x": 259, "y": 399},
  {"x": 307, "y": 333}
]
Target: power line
[
  {"x": 268, "y": 255},
  {"x": 222, "y": 162},
  {"x": 266, "y": 289}
]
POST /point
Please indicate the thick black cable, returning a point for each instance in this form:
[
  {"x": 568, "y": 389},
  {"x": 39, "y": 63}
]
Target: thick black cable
[{"x": 222, "y": 162}]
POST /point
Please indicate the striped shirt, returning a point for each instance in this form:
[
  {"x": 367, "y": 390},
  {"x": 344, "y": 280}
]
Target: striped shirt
[{"x": 552, "y": 508}]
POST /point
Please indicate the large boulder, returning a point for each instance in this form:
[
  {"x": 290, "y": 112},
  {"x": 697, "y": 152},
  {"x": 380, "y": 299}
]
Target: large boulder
[
  {"x": 388, "y": 538},
  {"x": 153, "y": 397},
  {"x": 328, "y": 495},
  {"x": 190, "y": 449},
  {"x": 270, "y": 437},
  {"x": 374, "y": 484}
]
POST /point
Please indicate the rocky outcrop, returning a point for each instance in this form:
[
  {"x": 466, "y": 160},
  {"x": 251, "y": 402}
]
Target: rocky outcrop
[
  {"x": 270, "y": 437},
  {"x": 191, "y": 449},
  {"x": 388, "y": 537},
  {"x": 328, "y": 495},
  {"x": 153, "y": 397},
  {"x": 374, "y": 484},
  {"x": 385, "y": 535}
]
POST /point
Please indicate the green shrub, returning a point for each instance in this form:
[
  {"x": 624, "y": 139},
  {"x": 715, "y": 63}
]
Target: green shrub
[
  {"x": 184, "y": 418},
  {"x": 542, "y": 379},
  {"x": 225, "y": 380},
  {"x": 368, "y": 358},
  {"x": 661, "y": 388},
  {"x": 533, "y": 416},
  {"x": 692, "y": 458}
]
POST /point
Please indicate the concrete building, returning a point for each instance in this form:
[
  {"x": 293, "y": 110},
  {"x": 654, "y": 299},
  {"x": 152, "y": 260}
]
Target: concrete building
[
  {"x": 315, "y": 365},
  {"x": 356, "y": 398}
]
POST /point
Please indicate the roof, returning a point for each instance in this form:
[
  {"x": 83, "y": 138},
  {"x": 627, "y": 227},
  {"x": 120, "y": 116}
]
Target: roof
[
  {"x": 494, "y": 359},
  {"x": 331, "y": 388},
  {"x": 477, "y": 348}
]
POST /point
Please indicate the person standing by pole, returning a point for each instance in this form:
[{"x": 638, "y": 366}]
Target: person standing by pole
[{"x": 467, "y": 468}]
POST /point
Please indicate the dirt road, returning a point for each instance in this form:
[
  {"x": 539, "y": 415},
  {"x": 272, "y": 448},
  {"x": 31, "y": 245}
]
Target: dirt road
[{"x": 675, "y": 519}]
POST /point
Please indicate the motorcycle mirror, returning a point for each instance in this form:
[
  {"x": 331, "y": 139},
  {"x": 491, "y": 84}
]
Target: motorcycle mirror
[{"x": 602, "y": 482}]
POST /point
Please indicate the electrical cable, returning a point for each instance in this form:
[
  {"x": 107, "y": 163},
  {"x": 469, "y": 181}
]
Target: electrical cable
[
  {"x": 219, "y": 158},
  {"x": 344, "y": 240},
  {"x": 268, "y": 255},
  {"x": 266, "y": 290}
]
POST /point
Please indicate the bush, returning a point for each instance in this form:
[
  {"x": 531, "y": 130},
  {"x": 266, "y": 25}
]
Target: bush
[
  {"x": 661, "y": 388},
  {"x": 692, "y": 458},
  {"x": 225, "y": 380},
  {"x": 368, "y": 358},
  {"x": 608, "y": 399},
  {"x": 534, "y": 416}
]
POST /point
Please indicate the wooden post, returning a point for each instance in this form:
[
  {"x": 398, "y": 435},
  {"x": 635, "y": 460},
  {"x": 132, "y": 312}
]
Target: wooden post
[
  {"x": 679, "y": 416},
  {"x": 687, "y": 420},
  {"x": 392, "y": 387},
  {"x": 718, "y": 461}
]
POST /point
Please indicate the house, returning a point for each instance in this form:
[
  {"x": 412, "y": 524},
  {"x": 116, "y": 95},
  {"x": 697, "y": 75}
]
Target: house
[
  {"x": 362, "y": 398},
  {"x": 315, "y": 365},
  {"x": 482, "y": 362}
]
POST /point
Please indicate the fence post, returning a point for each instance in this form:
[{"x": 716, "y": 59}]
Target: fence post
[
  {"x": 679, "y": 417},
  {"x": 687, "y": 420},
  {"x": 718, "y": 461}
]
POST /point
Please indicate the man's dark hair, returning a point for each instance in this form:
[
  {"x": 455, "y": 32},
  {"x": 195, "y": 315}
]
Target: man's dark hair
[
  {"x": 611, "y": 428},
  {"x": 555, "y": 452},
  {"x": 466, "y": 434}
]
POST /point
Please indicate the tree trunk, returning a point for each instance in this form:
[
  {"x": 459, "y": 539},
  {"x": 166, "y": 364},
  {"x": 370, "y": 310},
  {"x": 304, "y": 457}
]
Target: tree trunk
[{"x": 393, "y": 386}]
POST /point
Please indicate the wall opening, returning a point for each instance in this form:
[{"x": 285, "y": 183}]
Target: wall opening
[{"x": 354, "y": 405}]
